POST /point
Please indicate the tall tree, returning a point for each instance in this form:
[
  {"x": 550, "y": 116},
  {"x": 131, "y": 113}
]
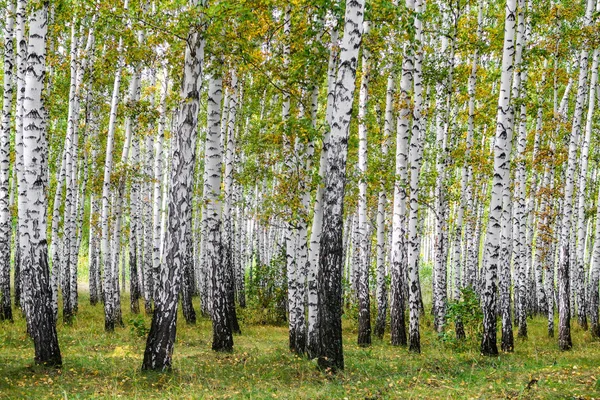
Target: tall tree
[
  {"x": 501, "y": 169},
  {"x": 222, "y": 329},
  {"x": 364, "y": 305},
  {"x": 161, "y": 338},
  {"x": 41, "y": 324},
  {"x": 415, "y": 154},
  {"x": 565, "y": 246},
  {"x": 5, "y": 214},
  {"x": 331, "y": 250}
]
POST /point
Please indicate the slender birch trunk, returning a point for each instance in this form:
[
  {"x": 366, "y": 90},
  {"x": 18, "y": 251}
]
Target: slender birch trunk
[
  {"x": 134, "y": 231},
  {"x": 382, "y": 293},
  {"x": 399, "y": 245},
  {"x": 5, "y": 133},
  {"x": 105, "y": 255},
  {"x": 70, "y": 161},
  {"x": 566, "y": 249},
  {"x": 364, "y": 304},
  {"x": 317, "y": 223},
  {"x": 145, "y": 266},
  {"x": 501, "y": 169},
  {"x": 222, "y": 329},
  {"x": 415, "y": 301},
  {"x": 149, "y": 276},
  {"x": 443, "y": 118},
  {"x": 21, "y": 57},
  {"x": 228, "y": 221},
  {"x": 581, "y": 220}
]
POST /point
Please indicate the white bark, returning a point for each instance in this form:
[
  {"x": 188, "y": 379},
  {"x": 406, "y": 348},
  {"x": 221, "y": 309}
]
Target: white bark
[
  {"x": 364, "y": 311},
  {"x": 566, "y": 249},
  {"x": 105, "y": 256},
  {"x": 381, "y": 288},
  {"x": 41, "y": 324},
  {"x": 398, "y": 246},
  {"x": 416, "y": 151},
  {"x": 330, "y": 258},
  {"x": 579, "y": 267},
  {"x": 317, "y": 223},
  {"x": 5, "y": 133},
  {"x": 501, "y": 168},
  {"x": 151, "y": 276}
]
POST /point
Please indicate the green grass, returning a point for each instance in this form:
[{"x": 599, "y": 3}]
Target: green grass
[{"x": 101, "y": 365}]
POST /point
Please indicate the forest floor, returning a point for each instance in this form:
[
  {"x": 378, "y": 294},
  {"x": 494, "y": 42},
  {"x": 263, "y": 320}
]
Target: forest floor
[{"x": 102, "y": 365}]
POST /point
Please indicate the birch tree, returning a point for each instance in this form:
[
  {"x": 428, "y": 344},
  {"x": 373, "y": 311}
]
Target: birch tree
[
  {"x": 41, "y": 324},
  {"x": 501, "y": 169},
  {"x": 330, "y": 257},
  {"x": 161, "y": 338},
  {"x": 5, "y": 134},
  {"x": 565, "y": 249},
  {"x": 222, "y": 329},
  {"x": 364, "y": 308}
]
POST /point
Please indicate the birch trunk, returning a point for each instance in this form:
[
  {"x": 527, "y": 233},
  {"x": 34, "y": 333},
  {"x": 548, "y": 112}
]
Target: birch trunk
[
  {"x": 364, "y": 304},
  {"x": 228, "y": 221},
  {"x": 222, "y": 329},
  {"x": 37, "y": 297},
  {"x": 105, "y": 255},
  {"x": 145, "y": 269},
  {"x": 443, "y": 99},
  {"x": 21, "y": 58},
  {"x": 566, "y": 249},
  {"x": 134, "y": 232},
  {"x": 382, "y": 295},
  {"x": 161, "y": 338},
  {"x": 398, "y": 246},
  {"x": 415, "y": 300},
  {"x": 501, "y": 169},
  {"x": 149, "y": 281},
  {"x": 70, "y": 147},
  {"x": 581, "y": 220},
  {"x": 594, "y": 295},
  {"x": 5, "y": 133},
  {"x": 331, "y": 251}
]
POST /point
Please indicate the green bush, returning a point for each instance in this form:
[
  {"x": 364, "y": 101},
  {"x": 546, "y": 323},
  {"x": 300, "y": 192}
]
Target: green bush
[
  {"x": 466, "y": 310},
  {"x": 267, "y": 293},
  {"x": 138, "y": 326}
]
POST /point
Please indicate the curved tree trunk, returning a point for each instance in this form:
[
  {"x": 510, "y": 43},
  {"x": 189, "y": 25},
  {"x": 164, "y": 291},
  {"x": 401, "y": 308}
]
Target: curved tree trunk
[{"x": 161, "y": 338}]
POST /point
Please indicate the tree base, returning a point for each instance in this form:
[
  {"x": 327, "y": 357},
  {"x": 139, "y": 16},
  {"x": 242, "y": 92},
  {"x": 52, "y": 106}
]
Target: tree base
[{"x": 489, "y": 347}]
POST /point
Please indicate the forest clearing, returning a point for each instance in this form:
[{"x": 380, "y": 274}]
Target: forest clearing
[{"x": 300, "y": 199}]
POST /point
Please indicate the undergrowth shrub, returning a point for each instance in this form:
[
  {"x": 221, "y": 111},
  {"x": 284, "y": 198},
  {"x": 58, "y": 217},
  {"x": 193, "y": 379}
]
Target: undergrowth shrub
[
  {"x": 138, "y": 326},
  {"x": 267, "y": 293},
  {"x": 467, "y": 310}
]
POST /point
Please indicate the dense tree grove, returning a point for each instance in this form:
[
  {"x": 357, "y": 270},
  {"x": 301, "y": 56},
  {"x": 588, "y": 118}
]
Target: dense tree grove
[{"x": 309, "y": 158}]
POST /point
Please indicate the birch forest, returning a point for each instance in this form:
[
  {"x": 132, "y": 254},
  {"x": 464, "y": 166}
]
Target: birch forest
[{"x": 360, "y": 199}]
